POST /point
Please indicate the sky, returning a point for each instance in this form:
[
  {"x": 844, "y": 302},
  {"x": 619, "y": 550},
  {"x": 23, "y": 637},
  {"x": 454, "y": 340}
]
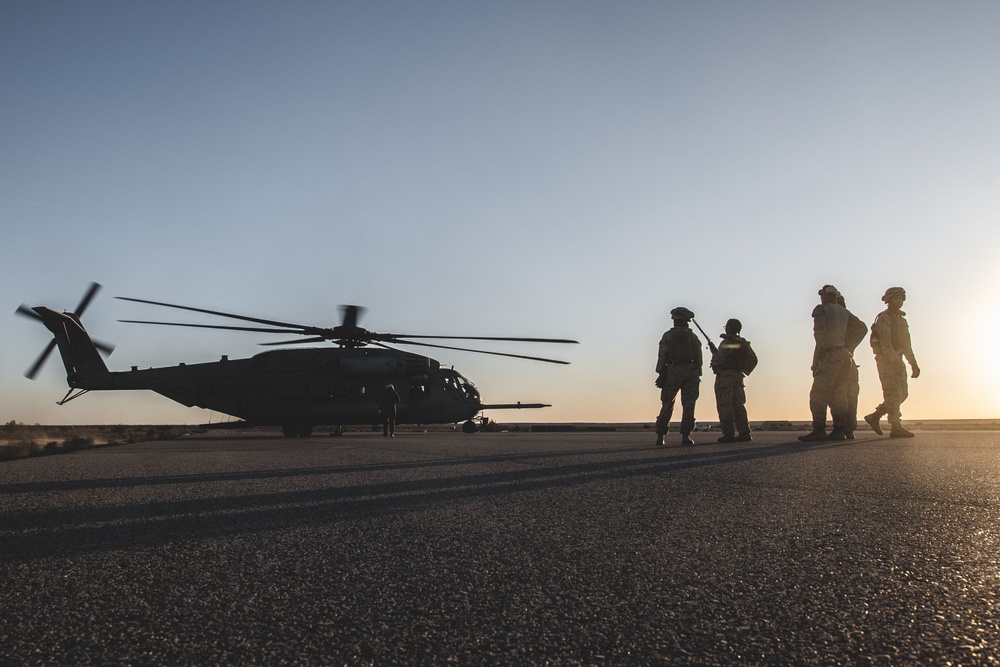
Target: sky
[{"x": 560, "y": 169}]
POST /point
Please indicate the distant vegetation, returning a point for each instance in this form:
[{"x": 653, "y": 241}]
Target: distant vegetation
[{"x": 21, "y": 440}]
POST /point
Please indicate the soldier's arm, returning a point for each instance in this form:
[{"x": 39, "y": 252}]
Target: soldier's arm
[
  {"x": 819, "y": 323},
  {"x": 856, "y": 331},
  {"x": 751, "y": 360},
  {"x": 908, "y": 352},
  {"x": 661, "y": 355}
]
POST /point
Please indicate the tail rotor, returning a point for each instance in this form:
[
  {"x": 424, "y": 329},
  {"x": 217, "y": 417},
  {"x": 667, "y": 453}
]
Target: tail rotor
[{"x": 26, "y": 311}]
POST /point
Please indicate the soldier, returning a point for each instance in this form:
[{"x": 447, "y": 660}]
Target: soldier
[
  {"x": 390, "y": 401},
  {"x": 831, "y": 359},
  {"x": 890, "y": 342},
  {"x": 678, "y": 368},
  {"x": 731, "y": 361}
]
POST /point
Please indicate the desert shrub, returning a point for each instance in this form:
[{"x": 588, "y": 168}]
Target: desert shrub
[
  {"x": 78, "y": 443},
  {"x": 17, "y": 450},
  {"x": 51, "y": 447}
]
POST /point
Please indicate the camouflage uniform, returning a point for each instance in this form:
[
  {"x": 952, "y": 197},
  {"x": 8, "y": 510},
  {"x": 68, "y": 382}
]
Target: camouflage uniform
[
  {"x": 731, "y": 361},
  {"x": 832, "y": 360},
  {"x": 678, "y": 368},
  {"x": 890, "y": 341}
]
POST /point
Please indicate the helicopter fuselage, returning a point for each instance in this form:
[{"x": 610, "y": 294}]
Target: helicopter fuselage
[{"x": 307, "y": 387}]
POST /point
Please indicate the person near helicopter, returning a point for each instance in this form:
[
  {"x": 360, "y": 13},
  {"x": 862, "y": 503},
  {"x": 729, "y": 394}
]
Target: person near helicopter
[{"x": 387, "y": 408}]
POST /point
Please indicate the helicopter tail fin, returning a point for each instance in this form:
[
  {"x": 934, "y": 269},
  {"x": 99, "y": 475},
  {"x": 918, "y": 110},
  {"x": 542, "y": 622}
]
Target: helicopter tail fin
[{"x": 85, "y": 368}]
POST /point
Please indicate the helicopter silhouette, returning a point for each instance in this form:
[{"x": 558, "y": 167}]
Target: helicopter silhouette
[{"x": 296, "y": 389}]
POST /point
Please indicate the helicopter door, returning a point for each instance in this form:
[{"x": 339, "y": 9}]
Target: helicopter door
[{"x": 418, "y": 388}]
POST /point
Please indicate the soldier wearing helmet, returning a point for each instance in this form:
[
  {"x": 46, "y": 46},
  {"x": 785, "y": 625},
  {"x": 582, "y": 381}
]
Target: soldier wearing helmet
[
  {"x": 732, "y": 360},
  {"x": 890, "y": 340},
  {"x": 678, "y": 369},
  {"x": 831, "y": 374}
]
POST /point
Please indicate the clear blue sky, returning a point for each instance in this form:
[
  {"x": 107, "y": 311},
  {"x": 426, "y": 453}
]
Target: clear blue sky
[{"x": 571, "y": 169}]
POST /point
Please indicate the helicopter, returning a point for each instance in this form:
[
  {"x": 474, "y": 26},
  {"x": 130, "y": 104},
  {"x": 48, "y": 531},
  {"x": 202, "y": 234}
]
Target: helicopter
[{"x": 297, "y": 389}]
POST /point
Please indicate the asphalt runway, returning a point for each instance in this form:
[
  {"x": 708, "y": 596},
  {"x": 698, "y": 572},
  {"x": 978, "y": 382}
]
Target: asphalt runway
[{"x": 504, "y": 548}]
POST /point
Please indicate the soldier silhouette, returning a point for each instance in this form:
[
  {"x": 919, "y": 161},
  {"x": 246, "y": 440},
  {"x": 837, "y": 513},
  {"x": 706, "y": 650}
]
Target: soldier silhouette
[
  {"x": 390, "y": 401},
  {"x": 732, "y": 360},
  {"x": 890, "y": 341},
  {"x": 678, "y": 369}
]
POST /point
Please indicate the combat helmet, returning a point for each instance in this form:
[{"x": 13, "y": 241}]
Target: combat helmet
[
  {"x": 681, "y": 313},
  {"x": 829, "y": 289},
  {"x": 893, "y": 291}
]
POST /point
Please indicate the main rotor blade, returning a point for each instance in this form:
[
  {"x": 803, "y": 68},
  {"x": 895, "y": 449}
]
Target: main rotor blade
[
  {"x": 37, "y": 366},
  {"x": 27, "y": 312},
  {"x": 87, "y": 298},
  {"x": 219, "y": 313},
  {"x": 298, "y": 341},
  {"x": 466, "y": 349},
  {"x": 399, "y": 337},
  {"x": 217, "y": 326}
]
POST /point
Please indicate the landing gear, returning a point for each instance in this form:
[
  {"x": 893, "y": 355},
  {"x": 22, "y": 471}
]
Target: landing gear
[
  {"x": 297, "y": 430},
  {"x": 469, "y": 427}
]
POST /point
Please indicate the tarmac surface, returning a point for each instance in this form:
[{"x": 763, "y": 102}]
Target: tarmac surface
[{"x": 504, "y": 548}]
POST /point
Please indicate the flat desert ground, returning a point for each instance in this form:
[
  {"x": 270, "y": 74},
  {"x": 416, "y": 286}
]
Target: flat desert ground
[{"x": 581, "y": 547}]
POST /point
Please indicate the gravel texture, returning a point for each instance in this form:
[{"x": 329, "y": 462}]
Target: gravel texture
[{"x": 504, "y": 548}]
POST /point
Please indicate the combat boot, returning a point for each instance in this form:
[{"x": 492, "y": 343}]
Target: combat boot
[
  {"x": 744, "y": 437},
  {"x": 659, "y": 440},
  {"x": 899, "y": 432},
  {"x": 728, "y": 437},
  {"x": 837, "y": 434},
  {"x": 872, "y": 420},
  {"x": 686, "y": 439},
  {"x": 815, "y": 436}
]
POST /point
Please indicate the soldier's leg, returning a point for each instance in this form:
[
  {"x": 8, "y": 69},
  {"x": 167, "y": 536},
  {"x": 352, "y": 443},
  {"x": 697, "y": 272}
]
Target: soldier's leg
[
  {"x": 901, "y": 391},
  {"x": 689, "y": 395},
  {"x": 667, "y": 396},
  {"x": 840, "y": 361},
  {"x": 825, "y": 376},
  {"x": 819, "y": 397},
  {"x": 873, "y": 419},
  {"x": 740, "y": 420},
  {"x": 892, "y": 374},
  {"x": 853, "y": 390},
  {"x": 724, "y": 404}
]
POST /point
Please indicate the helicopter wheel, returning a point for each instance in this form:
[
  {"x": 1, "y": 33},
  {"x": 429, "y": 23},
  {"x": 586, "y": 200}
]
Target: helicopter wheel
[
  {"x": 305, "y": 431},
  {"x": 290, "y": 430},
  {"x": 469, "y": 427}
]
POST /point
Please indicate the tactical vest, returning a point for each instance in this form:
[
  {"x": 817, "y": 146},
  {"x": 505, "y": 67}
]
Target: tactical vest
[{"x": 681, "y": 346}]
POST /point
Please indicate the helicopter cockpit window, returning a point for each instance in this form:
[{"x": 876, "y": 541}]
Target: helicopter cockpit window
[
  {"x": 467, "y": 388},
  {"x": 450, "y": 384}
]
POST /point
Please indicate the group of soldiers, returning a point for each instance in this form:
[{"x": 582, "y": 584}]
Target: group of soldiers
[{"x": 837, "y": 333}]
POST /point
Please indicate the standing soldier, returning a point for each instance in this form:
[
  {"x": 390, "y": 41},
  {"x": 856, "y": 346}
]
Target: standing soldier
[
  {"x": 731, "y": 361},
  {"x": 890, "y": 341},
  {"x": 388, "y": 407},
  {"x": 831, "y": 359},
  {"x": 678, "y": 368}
]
